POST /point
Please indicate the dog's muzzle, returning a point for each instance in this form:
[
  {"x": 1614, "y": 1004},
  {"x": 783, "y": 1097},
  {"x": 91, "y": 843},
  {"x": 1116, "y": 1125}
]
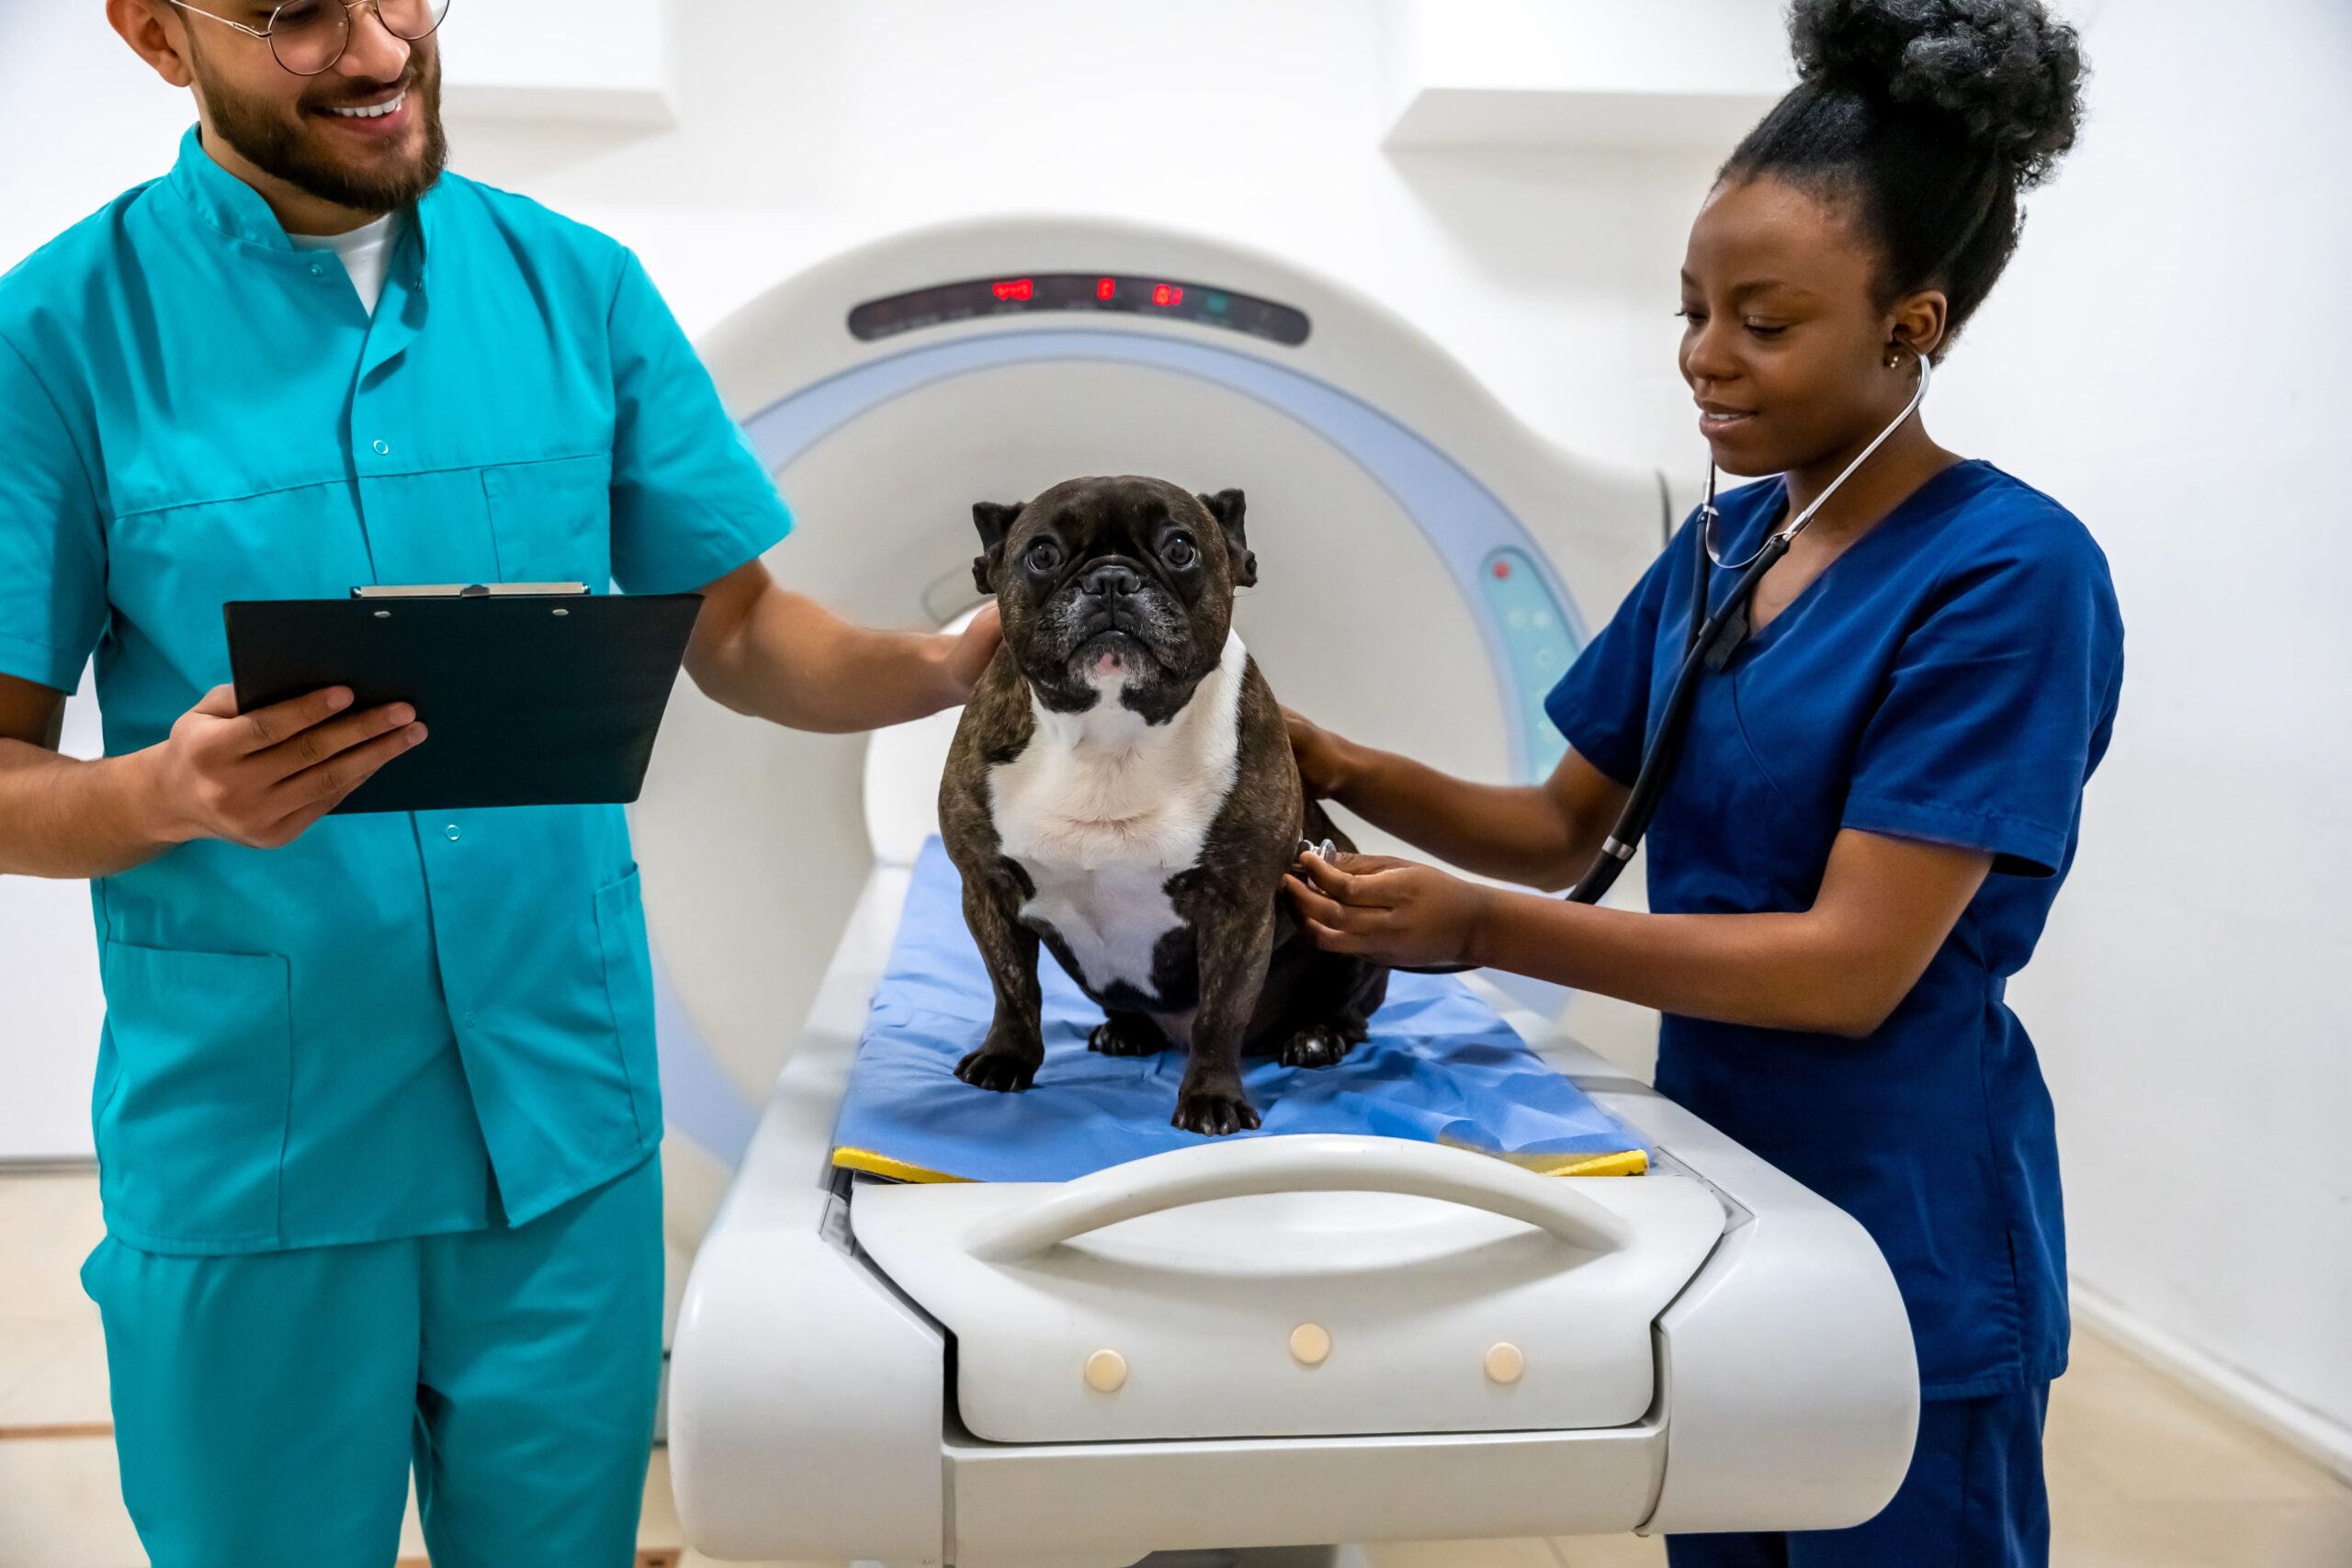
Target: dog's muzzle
[{"x": 1113, "y": 596}]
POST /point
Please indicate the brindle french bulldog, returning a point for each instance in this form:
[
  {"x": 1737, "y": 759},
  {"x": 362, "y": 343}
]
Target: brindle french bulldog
[{"x": 1122, "y": 789}]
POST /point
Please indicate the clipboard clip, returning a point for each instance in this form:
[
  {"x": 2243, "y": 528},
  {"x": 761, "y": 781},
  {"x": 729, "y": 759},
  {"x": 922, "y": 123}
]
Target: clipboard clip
[{"x": 474, "y": 590}]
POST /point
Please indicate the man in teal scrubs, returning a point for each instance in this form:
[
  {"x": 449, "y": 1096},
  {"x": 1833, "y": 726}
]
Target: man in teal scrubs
[{"x": 377, "y": 1100}]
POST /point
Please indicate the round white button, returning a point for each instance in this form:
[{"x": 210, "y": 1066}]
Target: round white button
[
  {"x": 1310, "y": 1344},
  {"x": 1106, "y": 1371},
  {"x": 1506, "y": 1362},
  {"x": 382, "y": 451},
  {"x": 452, "y": 830}
]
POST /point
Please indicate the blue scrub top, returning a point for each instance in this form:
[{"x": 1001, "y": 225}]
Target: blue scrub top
[
  {"x": 399, "y": 1024},
  {"x": 1951, "y": 677}
]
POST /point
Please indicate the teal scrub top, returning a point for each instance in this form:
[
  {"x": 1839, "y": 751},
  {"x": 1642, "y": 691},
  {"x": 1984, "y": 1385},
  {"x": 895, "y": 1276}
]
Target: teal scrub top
[{"x": 400, "y": 1025}]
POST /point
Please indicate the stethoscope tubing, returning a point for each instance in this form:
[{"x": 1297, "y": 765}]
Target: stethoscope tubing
[
  {"x": 1707, "y": 630},
  {"x": 1797, "y": 524},
  {"x": 1659, "y": 757}
]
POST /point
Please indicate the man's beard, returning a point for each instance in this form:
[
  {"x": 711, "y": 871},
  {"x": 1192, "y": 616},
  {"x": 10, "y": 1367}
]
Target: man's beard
[{"x": 294, "y": 152}]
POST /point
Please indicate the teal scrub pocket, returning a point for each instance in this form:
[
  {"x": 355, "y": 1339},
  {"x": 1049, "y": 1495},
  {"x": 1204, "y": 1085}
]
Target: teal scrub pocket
[
  {"x": 629, "y": 984},
  {"x": 553, "y": 520},
  {"x": 192, "y": 1131}
]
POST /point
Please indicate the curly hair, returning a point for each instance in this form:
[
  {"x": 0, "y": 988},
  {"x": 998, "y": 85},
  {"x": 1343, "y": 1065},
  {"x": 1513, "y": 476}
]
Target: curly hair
[{"x": 1930, "y": 117}]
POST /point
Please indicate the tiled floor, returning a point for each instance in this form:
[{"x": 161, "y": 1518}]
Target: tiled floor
[{"x": 2141, "y": 1474}]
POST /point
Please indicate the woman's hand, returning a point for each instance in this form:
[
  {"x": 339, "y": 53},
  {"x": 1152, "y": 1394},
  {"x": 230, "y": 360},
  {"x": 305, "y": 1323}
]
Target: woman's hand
[
  {"x": 1326, "y": 763},
  {"x": 1395, "y": 911}
]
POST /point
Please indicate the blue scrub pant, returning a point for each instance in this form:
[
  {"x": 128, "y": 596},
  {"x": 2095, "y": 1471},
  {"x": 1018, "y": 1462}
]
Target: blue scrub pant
[
  {"x": 1973, "y": 1498},
  {"x": 268, "y": 1406}
]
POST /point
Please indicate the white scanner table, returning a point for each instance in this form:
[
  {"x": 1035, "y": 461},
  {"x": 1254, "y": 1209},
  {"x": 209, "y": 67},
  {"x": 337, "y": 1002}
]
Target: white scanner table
[{"x": 1269, "y": 1342}]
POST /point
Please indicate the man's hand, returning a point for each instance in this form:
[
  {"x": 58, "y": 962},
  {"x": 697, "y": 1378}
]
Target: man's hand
[
  {"x": 1395, "y": 911},
  {"x": 969, "y": 651},
  {"x": 1326, "y": 765},
  {"x": 262, "y": 779}
]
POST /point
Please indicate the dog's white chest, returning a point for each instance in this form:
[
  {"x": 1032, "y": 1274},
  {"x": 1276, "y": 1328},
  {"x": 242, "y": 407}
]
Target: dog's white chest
[{"x": 1099, "y": 810}]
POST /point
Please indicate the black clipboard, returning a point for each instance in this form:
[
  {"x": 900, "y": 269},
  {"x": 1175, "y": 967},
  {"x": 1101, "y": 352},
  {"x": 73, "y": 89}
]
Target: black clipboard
[{"x": 548, "y": 696}]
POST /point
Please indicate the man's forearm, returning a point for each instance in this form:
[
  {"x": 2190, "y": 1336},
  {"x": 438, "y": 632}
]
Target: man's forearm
[
  {"x": 62, "y": 817},
  {"x": 793, "y": 662}
]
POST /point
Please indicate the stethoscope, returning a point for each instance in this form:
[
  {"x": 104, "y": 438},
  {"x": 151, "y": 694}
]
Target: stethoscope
[{"x": 1711, "y": 642}]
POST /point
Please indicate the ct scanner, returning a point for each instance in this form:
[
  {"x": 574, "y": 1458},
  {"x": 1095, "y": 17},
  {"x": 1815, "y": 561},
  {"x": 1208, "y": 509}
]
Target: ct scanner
[{"x": 911, "y": 1374}]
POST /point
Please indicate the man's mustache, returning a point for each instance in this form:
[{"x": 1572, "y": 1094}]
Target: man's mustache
[{"x": 351, "y": 96}]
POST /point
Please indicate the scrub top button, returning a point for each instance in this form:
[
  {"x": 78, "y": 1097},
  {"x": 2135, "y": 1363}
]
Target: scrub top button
[
  {"x": 451, "y": 831},
  {"x": 468, "y": 1020},
  {"x": 382, "y": 451}
]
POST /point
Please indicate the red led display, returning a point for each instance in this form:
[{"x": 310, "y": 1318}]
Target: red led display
[
  {"x": 1502, "y": 569},
  {"x": 1004, "y": 295}
]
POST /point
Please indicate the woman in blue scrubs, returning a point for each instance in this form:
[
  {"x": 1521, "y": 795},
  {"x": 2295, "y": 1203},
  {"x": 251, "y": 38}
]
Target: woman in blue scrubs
[{"x": 1880, "y": 792}]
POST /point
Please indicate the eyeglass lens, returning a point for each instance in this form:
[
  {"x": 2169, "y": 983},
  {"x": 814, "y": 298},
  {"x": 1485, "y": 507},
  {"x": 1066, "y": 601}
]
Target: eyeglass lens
[{"x": 310, "y": 36}]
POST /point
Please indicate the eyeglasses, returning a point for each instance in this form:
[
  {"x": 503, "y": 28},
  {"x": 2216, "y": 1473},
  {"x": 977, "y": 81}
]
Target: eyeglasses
[{"x": 309, "y": 36}]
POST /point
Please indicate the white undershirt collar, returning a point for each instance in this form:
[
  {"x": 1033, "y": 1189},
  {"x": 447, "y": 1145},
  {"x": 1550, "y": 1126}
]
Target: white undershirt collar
[{"x": 366, "y": 253}]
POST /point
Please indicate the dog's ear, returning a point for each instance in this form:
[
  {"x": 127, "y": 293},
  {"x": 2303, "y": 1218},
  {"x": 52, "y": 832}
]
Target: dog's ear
[
  {"x": 1226, "y": 506},
  {"x": 995, "y": 523}
]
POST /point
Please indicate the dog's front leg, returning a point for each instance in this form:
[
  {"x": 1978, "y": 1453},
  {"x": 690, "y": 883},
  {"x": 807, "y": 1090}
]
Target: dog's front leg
[
  {"x": 1233, "y": 956},
  {"x": 1007, "y": 1061}
]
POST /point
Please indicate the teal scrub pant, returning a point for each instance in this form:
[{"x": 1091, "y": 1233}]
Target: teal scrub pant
[{"x": 268, "y": 1406}]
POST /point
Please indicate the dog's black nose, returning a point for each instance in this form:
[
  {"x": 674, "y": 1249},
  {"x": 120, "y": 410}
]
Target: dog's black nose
[{"x": 1112, "y": 576}]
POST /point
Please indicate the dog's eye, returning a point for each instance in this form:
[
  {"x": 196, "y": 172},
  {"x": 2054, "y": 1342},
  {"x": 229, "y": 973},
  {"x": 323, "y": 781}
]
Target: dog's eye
[
  {"x": 1179, "y": 552},
  {"x": 1044, "y": 556}
]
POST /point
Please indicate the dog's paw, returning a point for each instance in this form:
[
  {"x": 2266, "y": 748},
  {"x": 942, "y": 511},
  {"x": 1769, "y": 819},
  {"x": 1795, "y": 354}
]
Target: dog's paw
[
  {"x": 1006, "y": 1070},
  {"x": 1127, "y": 1035},
  {"x": 1214, "y": 1111},
  {"x": 1317, "y": 1045}
]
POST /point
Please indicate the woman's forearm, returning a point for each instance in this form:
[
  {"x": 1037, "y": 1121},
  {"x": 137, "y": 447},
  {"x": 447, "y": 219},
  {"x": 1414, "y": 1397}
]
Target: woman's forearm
[
  {"x": 1839, "y": 967},
  {"x": 1516, "y": 832},
  {"x": 1772, "y": 971}
]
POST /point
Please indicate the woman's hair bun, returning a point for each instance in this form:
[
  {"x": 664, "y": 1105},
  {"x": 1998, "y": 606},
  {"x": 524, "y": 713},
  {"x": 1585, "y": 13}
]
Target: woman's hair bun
[{"x": 2006, "y": 72}]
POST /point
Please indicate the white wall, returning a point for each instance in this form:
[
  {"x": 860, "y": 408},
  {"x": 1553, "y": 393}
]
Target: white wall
[
  {"x": 1540, "y": 74},
  {"x": 2160, "y": 357},
  {"x": 608, "y": 59},
  {"x": 59, "y": 78},
  {"x": 49, "y": 1005}
]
